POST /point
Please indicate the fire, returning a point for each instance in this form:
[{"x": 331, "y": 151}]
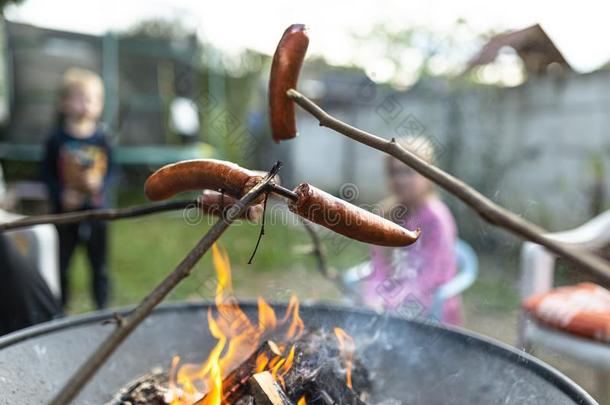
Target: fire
[
  {"x": 237, "y": 337},
  {"x": 347, "y": 348}
]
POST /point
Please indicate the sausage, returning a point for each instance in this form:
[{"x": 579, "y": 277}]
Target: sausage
[
  {"x": 215, "y": 203},
  {"x": 285, "y": 69},
  {"x": 347, "y": 219},
  {"x": 200, "y": 174}
]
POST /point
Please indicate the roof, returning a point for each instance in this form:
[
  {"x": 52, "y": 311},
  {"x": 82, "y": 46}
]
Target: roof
[{"x": 533, "y": 46}]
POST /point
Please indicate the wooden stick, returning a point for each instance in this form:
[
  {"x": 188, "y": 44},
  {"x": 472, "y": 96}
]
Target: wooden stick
[
  {"x": 109, "y": 214},
  {"x": 99, "y": 214},
  {"x": 487, "y": 209},
  {"x": 183, "y": 270}
]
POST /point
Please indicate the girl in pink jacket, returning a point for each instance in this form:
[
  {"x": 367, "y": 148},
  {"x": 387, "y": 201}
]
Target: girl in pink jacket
[{"x": 404, "y": 280}]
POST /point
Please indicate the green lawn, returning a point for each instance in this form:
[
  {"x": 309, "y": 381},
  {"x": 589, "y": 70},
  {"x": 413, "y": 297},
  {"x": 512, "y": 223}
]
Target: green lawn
[{"x": 144, "y": 250}]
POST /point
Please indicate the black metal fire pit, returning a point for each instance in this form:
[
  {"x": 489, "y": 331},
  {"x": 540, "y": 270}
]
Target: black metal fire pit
[{"x": 416, "y": 362}]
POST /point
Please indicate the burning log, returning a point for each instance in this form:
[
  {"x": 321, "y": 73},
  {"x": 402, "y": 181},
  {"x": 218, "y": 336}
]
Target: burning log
[
  {"x": 315, "y": 374},
  {"x": 318, "y": 369},
  {"x": 235, "y": 384},
  {"x": 326, "y": 388},
  {"x": 319, "y": 375},
  {"x": 266, "y": 391},
  {"x": 246, "y": 400}
]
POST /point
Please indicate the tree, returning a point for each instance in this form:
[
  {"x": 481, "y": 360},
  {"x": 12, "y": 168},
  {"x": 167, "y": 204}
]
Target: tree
[{"x": 4, "y": 3}]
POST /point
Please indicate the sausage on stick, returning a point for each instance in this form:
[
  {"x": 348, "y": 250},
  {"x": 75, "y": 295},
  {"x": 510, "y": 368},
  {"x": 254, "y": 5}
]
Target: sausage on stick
[
  {"x": 306, "y": 200},
  {"x": 215, "y": 203},
  {"x": 209, "y": 174},
  {"x": 285, "y": 69},
  {"x": 347, "y": 219}
]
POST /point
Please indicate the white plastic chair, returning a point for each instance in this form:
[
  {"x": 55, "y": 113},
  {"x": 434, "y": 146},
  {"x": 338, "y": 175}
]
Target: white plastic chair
[
  {"x": 537, "y": 276},
  {"x": 40, "y": 244},
  {"x": 468, "y": 270}
]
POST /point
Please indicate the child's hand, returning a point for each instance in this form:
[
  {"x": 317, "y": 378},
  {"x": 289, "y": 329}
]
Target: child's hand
[{"x": 71, "y": 199}]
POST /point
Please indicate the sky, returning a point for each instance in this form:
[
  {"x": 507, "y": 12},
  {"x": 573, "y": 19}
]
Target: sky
[{"x": 579, "y": 29}]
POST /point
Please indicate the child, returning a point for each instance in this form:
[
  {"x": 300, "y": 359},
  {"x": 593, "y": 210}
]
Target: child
[
  {"x": 405, "y": 279},
  {"x": 76, "y": 169}
]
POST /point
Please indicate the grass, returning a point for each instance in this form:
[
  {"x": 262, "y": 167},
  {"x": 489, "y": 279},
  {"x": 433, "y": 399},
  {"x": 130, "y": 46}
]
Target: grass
[
  {"x": 144, "y": 250},
  {"x": 496, "y": 288}
]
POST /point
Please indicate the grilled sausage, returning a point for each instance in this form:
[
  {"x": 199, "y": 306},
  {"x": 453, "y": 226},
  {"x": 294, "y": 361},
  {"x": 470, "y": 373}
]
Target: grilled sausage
[
  {"x": 347, "y": 219},
  {"x": 210, "y": 174},
  {"x": 215, "y": 203},
  {"x": 285, "y": 70}
]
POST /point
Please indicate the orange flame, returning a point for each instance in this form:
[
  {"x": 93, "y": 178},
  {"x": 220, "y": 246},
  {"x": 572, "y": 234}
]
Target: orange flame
[
  {"x": 346, "y": 347},
  {"x": 237, "y": 337},
  {"x": 296, "y": 327},
  {"x": 212, "y": 367},
  {"x": 289, "y": 360},
  {"x": 261, "y": 362},
  {"x": 266, "y": 315}
]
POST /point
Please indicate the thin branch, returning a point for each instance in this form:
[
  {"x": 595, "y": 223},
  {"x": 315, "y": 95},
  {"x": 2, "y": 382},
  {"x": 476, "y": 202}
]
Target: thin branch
[
  {"x": 99, "y": 214},
  {"x": 319, "y": 251},
  {"x": 487, "y": 209},
  {"x": 183, "y": 270},
  {"x": 325, "y": 270},
  {"x": 110, "y": 214}
]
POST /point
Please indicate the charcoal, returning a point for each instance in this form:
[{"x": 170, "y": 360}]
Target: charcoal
[
  {"x": 318, "y": 366},
  {"x": 245, "y": 400},
  {"x": 327, "y": 389},
  {"x": 317, "y": 373},
  {"x": 150, "y": 389}
]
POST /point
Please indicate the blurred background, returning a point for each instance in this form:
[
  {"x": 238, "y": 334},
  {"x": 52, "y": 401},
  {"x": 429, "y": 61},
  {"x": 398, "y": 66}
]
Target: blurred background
[{"x": 515, "y": 98}]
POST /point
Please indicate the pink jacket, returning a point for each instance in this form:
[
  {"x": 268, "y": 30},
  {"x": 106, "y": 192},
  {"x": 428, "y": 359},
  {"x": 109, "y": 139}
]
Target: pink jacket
[{"x": 404, "y": 280}]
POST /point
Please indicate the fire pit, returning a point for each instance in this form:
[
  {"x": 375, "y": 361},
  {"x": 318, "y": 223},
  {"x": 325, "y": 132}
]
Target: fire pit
[
  {"x": 262, "y": 354},
  {"x": 411, "y": 361}
]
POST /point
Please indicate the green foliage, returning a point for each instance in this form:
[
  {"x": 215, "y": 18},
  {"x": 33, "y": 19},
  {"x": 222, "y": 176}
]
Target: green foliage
[
  {"x": 414, "y": 52},
  {"x": 4, "y": 3},
  {"x": 226, "y": 86},
  {"x": 239, "y": 82},
  {"x": 159, "y": 29}
]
